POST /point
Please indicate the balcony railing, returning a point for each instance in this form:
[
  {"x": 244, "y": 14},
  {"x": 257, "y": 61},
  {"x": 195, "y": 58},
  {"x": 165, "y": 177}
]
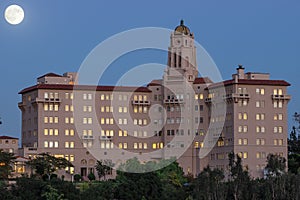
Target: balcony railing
[
  {"x": 173, "y": 101},
  {"x": 87, "y": 137},
  {"x": 281, "y": 97},
  {"x": 139, "y": 102},
  {"x": 105, "y": 137},
  {"x": 47, "y": 100}
]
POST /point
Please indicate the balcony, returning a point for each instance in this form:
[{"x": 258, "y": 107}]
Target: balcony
[
  {"x": 142, "y": 103},
  {"x": 208, "y": 100},
  {"x": 87, "y": 137},
  {"x": 21, "y": 105},
  {"x": 236, "y": 96},
  {"x": 105, "y": 138},
  {"x": 46, "y": 100},
  {"x": 173, "y": 101},
  {"x": 281, "y": 97}
]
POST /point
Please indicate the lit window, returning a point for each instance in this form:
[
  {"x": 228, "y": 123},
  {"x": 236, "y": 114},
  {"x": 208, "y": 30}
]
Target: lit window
[
  {"x": 46, "y": 131},
  {"x": 201, "y": 96},
  {"x": 67, "y": 132},
  {"x": 102, "y": 96},
  {"x": 135, "y": 145},
  {"x": 154, "y": 146},
  {"x": 46, "y": 107},
  {"x": 240, "y": 129},
  {"x": 45, "y": 120},
  {"x": 67, "y": 108},
  {"x": 46, "y": 145},
  {"x": 55, "y": 107}
]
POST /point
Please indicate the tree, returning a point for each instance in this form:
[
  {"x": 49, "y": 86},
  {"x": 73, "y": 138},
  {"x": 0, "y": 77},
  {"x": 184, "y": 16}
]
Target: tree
[
  {"x": 275, "y": 165},
  {"x": 6, "y": 162},
  {"x": 47, "y": 164},
  {"x": 134, "y": 181},
  {"x": 91, "y": 176},
  {"x": 103, "y": 190},
  {"x": 52, "y": 194},
  {"x": 294, "y": 147},
  {"x": 209, "y": 185},
  {"x": 103, "y": 168},
  {"x": 174, "y": 182},
  {"x": 240, "y": 186}
]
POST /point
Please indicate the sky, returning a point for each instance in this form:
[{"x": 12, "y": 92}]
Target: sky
[{"x": 56, "y": 36}]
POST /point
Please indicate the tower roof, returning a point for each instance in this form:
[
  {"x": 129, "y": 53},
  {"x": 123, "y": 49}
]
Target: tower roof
[{"x": 183, "y": 29}]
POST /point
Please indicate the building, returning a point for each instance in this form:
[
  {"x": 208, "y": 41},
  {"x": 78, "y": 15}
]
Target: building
[
  {"x": 9, "y": 144},
  {"x": 182, "y": 115}
]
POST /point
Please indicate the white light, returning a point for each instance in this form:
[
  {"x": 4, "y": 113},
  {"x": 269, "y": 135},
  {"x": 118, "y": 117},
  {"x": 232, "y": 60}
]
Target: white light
[{"x": 14, "y": 14}]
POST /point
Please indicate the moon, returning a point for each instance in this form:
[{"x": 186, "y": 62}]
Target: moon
[{"x": 14, "y": 14}]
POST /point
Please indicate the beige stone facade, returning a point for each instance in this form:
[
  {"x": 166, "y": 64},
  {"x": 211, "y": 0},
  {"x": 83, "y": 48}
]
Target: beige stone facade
[{"x": 182, "y": 115}]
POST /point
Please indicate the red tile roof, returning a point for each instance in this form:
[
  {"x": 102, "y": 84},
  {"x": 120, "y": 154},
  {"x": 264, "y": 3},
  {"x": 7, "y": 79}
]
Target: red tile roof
[
  {"x": 4, "y": 137},
  {"x": 250, "y": 82},
  {"x": 202, "y": 80},
  {"x": 85, "y": 87}
]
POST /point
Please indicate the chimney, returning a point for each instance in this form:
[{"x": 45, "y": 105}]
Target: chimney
[{"x": 241, "y": 72}]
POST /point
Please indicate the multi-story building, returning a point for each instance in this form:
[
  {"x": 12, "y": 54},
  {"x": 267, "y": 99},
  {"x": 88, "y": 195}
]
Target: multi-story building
[{"x": 182, "y": 115}]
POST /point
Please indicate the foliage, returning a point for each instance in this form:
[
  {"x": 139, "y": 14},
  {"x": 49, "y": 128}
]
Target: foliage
[
  {"x": 103, "y": 168},
  {"x": 52, "y": 194},
  {"x": 276, "y": 165},
  {"x": 77, "y": 177},
  {"x": 6, "y": 161},
  {"x": 47, "y": 164},
  {"x": 239, "y": 179},
  {"x": 100, "y": 191},
  {"x": 209, "y": 185},
  {"x": 294, "y": 147},
  {"x": 91, "y": 176}
]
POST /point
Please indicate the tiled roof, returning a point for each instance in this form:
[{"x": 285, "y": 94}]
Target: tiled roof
[
  {"x": 50, "y": 75},
  {"x": 85, "y": 87},
  {"x": 202, "y": 80},
  {"x": 4, "y": 137},
  {"x": 250, "y": 82}
]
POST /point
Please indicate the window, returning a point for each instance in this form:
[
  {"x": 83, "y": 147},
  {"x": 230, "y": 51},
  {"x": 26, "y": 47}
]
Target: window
[
  {"x": 260, "y": 116},
  {"x": 260, "y": 91},
  {"x": 243, "y": 154},
  {"x": 260, "y": 104},
  {"x": 260, "y": 141},
  {"x": 69, "y": 144},
  {"x": 56, "y": 107},
  {"x": 243, "y": 116},
  {"x": 200, "y": 96},
  {"x": 46, "y": 107}
]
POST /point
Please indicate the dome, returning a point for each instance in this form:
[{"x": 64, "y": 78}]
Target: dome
[{"x": 183, "y": 29}]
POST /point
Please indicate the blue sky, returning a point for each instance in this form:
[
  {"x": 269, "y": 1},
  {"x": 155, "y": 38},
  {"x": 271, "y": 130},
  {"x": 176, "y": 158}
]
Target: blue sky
[{"x": 57, "y": 35}]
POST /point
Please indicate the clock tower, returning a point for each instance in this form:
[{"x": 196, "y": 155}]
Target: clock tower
[{"x": 182, "y": 53}]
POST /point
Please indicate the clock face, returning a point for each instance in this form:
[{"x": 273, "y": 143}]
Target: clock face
[{"x": 178, "y": 42}]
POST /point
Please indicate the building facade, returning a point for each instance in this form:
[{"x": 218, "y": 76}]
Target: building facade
[{"x": 182, "y": 115}]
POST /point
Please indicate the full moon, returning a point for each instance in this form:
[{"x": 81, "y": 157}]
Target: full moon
[{"x": 14, "y": 14}]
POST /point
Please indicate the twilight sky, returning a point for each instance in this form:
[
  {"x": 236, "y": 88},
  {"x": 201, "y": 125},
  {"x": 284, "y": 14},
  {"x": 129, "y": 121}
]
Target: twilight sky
[{"x": 57, "y": 35}]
